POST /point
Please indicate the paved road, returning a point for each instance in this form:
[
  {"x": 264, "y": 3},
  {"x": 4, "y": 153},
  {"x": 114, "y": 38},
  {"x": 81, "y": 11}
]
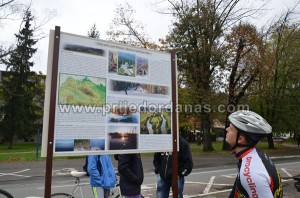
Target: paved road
[
  {"x": 218, "y": 172},
  {"x": 63, "y": 166},
  {"x": 22, "y": 177}
]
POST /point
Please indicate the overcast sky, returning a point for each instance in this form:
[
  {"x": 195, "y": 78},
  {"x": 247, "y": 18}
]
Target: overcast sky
[{"x": 78, "y": 16}]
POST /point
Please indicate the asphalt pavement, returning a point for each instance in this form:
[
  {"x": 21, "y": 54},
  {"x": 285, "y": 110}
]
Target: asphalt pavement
[
  {"x": 38, "y": 168},
  {"x": 24, "y": 171}
]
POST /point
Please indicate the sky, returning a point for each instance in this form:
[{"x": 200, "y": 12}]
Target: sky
[{"x": 78, "y": 16}]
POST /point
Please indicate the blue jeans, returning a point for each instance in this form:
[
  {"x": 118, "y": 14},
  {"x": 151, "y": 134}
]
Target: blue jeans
[{"x": 164, "y": 186}]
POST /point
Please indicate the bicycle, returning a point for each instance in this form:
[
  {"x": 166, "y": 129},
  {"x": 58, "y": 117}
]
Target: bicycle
[
  {"x": 114, "y": 192},
  {"x": 5, "y": 194}
]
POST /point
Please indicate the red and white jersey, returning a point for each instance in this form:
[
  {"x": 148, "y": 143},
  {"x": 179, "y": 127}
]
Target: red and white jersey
[{"x": 257, "y": 176}]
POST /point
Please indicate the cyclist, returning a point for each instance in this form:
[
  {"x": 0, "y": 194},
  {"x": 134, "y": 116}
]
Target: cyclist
[{"x": 257, "y": 175}]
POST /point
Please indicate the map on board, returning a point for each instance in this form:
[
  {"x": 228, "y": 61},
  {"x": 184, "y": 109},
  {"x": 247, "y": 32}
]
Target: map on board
[{"x": 82, "y": 90}]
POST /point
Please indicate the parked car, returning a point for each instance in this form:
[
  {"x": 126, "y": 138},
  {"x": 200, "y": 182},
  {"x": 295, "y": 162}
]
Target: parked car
[{"x": 279, "y": 138}]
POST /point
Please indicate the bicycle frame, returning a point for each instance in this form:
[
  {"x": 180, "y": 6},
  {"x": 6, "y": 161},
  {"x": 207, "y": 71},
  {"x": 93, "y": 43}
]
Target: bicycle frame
[
  {"x": 115, "y": 192},
  {"x": 78, "y": 186}
]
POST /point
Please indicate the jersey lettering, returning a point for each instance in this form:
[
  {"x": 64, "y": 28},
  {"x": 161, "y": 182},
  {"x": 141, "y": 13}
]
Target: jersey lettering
[{"x": 248, "y": 177}]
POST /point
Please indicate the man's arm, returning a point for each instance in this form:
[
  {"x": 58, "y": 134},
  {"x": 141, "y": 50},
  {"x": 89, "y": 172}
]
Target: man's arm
[
  {"x": 186, "y": 158},
  {"x": 93, "y": 170},
  {"x": 124, "y": 169}
]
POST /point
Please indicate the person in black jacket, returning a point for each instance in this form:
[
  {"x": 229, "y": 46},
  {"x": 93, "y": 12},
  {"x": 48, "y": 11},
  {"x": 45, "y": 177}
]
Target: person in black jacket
[
  {"x": 131, "y": 175},
  {"x": 163, "y": 168}
]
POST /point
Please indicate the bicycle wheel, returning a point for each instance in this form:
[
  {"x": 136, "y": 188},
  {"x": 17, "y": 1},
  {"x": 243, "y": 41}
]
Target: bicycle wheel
[
  {"x": 61, "y": 195},
  {"x": 4, "y": 194}
]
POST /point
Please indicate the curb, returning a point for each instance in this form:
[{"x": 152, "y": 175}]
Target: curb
[{"x": 286, "y": 157}]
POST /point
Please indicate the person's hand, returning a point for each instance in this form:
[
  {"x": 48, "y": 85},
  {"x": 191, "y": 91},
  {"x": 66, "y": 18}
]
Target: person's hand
[
  {"x": 184, "y": 172},
  {"x": 156, "y": 170}
]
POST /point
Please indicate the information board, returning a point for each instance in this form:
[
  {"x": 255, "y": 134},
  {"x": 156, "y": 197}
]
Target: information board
[{"x": 110, "y": 98}]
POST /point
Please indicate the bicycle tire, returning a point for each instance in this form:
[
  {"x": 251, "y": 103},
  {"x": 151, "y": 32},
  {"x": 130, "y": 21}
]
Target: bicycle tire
[
  {"x": 5, "y": 194},
  {"x": 61, "y": 195}
]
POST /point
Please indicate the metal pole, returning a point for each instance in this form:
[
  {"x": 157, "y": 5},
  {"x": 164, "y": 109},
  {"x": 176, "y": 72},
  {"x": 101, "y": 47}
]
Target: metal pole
[{"x": 37, "y": 144}]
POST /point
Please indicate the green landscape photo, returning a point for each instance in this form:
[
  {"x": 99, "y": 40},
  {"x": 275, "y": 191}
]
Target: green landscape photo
[
  {"x": 81, "y": 90},
  {"x": 155, "y": 122}
]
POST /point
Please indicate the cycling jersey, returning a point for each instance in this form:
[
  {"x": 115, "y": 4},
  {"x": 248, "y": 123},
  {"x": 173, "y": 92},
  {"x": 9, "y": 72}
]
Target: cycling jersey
[{"x": 256, "y": 177}]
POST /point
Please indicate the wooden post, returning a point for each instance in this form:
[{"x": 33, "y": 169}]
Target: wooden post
[
  {"x": 48, "y": 175},
  {"x": 174, "y": 126}
]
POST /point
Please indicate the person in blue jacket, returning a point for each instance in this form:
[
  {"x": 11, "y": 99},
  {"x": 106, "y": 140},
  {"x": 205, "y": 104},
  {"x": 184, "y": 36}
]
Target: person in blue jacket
[{"x": 93, "y": 167}]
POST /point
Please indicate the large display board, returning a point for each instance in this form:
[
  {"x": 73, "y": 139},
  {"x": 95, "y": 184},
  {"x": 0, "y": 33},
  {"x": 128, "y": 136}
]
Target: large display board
[{"x": 110, "y": 98}]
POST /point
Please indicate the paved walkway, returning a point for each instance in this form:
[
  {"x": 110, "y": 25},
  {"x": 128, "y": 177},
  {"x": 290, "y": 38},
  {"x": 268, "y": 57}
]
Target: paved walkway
[{"x": 291, "y": 145}]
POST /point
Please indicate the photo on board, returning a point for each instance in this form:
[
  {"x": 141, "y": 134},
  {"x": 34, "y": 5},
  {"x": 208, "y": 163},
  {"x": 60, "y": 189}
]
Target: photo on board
[
  {"x": 122, "y": 137},
  {"x": 126, "y": 64},
  {"x": 142, "y": 67},
  {"x": 123, "y": 114},
  {"x": 138, "y": 89},
  {"x": 81, "y": 90},
  {"x": 155, "y": 121},
  {"x": 112, "y": 62}
]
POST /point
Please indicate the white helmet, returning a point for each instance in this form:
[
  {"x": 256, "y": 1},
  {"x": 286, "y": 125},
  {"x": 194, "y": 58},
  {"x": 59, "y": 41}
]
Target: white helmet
[{"x": 250, "y": 122}]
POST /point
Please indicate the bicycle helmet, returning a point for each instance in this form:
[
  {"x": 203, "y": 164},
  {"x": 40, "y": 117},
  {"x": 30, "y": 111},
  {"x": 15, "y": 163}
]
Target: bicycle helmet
[{"x": 250, "y": 124}]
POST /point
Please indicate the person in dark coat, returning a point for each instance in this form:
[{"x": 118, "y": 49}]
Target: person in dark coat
[
  {"x": 163, "y": 168},
  {"x": 131, "y": 173}
]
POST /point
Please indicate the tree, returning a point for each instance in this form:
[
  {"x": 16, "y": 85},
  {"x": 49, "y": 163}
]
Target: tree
[
  {"x": 197, "y": 36},
  {"x": 18, "y": 86},
  {"x": 94, "y": 33},
  {"x": 8, "y": 8},
  {"x": 39, "y": 95},
  {"x": 244, "y": 53},
  {"x": 125, "y": 29},
  {"x": 13, "y": 10},
  {"x": 279, "y": 84},
  {"x": 187, "y": 120}
]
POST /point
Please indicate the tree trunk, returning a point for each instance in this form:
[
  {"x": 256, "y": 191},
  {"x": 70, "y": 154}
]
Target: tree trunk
[
  {"x": 207, "y": 144},
  {"x": 10, "y": 143},
  {"x": 270, "y": 141}
]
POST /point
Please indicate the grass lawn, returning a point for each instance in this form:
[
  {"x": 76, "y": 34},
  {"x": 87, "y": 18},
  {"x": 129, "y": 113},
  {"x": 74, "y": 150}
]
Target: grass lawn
[
  {"x": 23, "y": 152},
  {"x": 28, "y": 147},
  {"x": 27, "y": 152},
  {"x": 19, "y": 152}
]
